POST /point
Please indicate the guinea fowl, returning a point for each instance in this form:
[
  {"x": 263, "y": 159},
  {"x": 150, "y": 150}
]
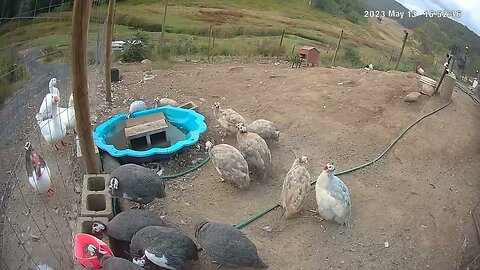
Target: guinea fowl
[
  {"x": 230, "y": 164},
  {"x": 38, "y": 172},
  {"x": 265, "y": 129},
  {"x": 136, "y": 106},
  {"x": 165, "y": 247},
  {"x": 295, "y": 187},
  {"x": 127, "y": 223},
  {"x": 112, "y": 263},
  {"x": 333, "y": 197},
  {"x": 137, "y": 184},
  {"x": 255, "y": 151},
  {"x": 228, "y": 119},
  {"x": 227, "y": 245}
]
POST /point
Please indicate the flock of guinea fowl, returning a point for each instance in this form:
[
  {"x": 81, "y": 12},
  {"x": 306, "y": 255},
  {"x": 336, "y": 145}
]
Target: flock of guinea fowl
[{"x": 154, "y": 244}]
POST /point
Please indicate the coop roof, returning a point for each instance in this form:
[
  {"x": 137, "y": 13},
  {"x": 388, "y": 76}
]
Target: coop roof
[{"x": 308, "y": 48}]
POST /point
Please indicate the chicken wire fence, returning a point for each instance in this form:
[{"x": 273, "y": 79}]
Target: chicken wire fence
[{"x": 37, "y": 230}]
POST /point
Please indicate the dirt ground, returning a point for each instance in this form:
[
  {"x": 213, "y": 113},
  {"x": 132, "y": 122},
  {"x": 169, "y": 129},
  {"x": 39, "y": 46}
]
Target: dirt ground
[{"x": 418, "y": 198}]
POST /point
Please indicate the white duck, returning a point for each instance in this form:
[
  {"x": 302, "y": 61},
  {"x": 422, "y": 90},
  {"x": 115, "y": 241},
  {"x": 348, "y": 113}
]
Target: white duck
[
  {"x": 52, "y": 88},
  {"x": 295, "y": 187},
  {"x": 68, "y": 115},
  {"x": 230, "y": 164},
  {"x": 38, "y": 172},
  {"x": 136, "y": 106},
  {"x": 53, "y": 130},
  {"x": 333, "y": 197},
  {"x": 228, "y": 118}
]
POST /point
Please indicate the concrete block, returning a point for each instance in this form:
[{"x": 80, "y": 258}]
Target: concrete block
[
  {"x": 96, "y": 204},
  {"x": 96, "y": 182}
]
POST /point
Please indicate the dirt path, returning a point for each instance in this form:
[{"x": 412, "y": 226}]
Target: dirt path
[{"x": 418, "y": 198}]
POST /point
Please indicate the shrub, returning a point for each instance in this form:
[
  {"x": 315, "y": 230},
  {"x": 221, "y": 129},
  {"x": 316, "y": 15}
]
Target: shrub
[
  {"x": 136, "y": 49},
  {"x": 352, "y": 55}
]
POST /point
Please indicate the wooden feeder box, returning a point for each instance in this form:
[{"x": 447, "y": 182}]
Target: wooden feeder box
[
  {"x": 141, "y": 131},
  {"x": 189, "y": 106},
  {"x": 310, "y": 54}
]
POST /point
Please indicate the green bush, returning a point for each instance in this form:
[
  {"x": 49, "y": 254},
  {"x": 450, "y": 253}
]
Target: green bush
[
  {"x": 352, "y": 55},
  {"x": 136, "y": 49}
]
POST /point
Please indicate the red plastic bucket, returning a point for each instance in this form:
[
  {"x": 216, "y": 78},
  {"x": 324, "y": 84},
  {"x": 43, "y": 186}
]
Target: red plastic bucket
[{"x": 83, "y": 256}]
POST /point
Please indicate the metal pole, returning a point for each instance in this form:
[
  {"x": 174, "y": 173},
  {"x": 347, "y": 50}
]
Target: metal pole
[
  {"x": 209, "y": 41},
  {"x": 465, "y": 62},
  {"x": 338, "y": 46},
  {"x": 280, "y": 45},
  {"x": 108, "y": 51},
  {"x": 80, "y": 22},
  {"x": 163, "y": 25},
  {"x": 401, "y": 51}
]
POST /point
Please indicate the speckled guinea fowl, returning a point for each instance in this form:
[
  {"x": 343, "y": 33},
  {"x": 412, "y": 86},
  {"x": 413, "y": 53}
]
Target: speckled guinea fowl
[
  {"x": 113, "y": 263},
  {"x": 127, "y": 223},
  {"x": 230, "y": 164},
  {"x": 227, "y": 118},
  {"x": 333, "y": 197},
  {"x": 295, "y": 187},
  {"x": 136, "y": 183},
  {"x": 255, "y": 150},
  {"x": 163, "y": 246},
  {"x": 227, "y": 245},
  {"x": 265, "y": 129}
]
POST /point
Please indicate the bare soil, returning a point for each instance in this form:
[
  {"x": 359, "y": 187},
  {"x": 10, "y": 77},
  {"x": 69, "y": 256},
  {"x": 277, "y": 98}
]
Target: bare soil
[{"x": 418, "y": 198}]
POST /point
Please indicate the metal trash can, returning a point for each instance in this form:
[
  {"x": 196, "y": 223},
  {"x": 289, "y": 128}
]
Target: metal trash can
[{"x": 115, "y": 74}]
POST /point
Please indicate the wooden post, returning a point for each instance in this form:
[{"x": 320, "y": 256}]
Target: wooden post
[
  {"x": 209, "y": 41},
  {"x": 336, "y": 50},
  {"x": 403, "y": 47},
  {"x": 280, "y": 45},
  {"x": 108, "y": 51},
  {"x": 293, "y": 50},
  {"x": 80, "y": 21},
  {"x": 163, "y": 25}
]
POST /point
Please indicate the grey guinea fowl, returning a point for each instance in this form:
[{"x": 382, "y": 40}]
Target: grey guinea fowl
[
  {"x": 227, "y": 118},
  {"x": 265, "y": 129},
  {"x": 230, "y": 164},
  {"x": 255, "y": 150},
  {"x": 227, "y": 245},
  {"x": 333, "y": 197},
  {"x": 166, "y": 247},
  {"x": 295, "y": 187},
  {"x": 127, "y": 223},
  {"x": 136, "y": 183},
  {"x": 113, "y": 263}
]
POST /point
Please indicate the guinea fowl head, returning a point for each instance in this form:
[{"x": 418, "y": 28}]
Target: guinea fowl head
[
  {"x": 139, "y": 261},
  {"x": 113, "y": 183},
  {"x": 216, "y": 105},
  {"x": 241, "y": 127},
  {"x": 98, "y": 227},
  {"x": 329, "y": 168},
  {"x": 28, "y": 146},
  {"x": 208, "y": 145},
  {"x": 303, "y": 159}
]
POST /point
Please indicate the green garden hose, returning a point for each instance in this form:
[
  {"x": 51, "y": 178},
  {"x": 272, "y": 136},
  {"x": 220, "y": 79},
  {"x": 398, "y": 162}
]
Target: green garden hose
[{"x": 271, "y": 208}]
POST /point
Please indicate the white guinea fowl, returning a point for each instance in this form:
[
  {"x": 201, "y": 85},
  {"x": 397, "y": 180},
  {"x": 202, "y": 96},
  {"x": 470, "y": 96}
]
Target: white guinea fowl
[
  {"x": 333, "y": 197},
  {"x": 295, "y": 187},
  {"x": 228, "y": 118},
  {"x": 230, "y": 164},
  {"x": 255, "y": 151},
  {"x": 38, "y": 172},
  {"x": 67, "y": 115},
  {"x": 136, "y": 106},
  {"x": 53, "y": 130},
  {"x": 265, "y": 129}
]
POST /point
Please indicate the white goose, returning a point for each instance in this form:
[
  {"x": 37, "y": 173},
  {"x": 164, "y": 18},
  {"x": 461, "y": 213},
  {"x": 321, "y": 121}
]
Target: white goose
[
  {"x": 68, "y": 115},
  {"x": 38, "y": 172},
  {"x": 53, "y": 130},
  {"x": 45, "y": 112},
  {"x": 52, "y": 88}
]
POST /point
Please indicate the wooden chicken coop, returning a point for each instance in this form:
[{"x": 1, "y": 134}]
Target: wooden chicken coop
[
  {"x": 145, "y": 131},
  {"x": 310, "y": 54}
]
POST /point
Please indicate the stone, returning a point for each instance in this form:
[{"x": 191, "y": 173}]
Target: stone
[
  {"x": 412, "y": 97},
  {"x": 146, "y": 61}
]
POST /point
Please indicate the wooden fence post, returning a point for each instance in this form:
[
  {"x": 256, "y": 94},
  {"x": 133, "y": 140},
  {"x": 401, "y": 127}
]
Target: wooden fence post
[
  {"x": 108, "y": 51},
  {"x": 403, "y": 47},
  {"x": 80, "y": 21},
  {"x": 280, "y": 45},
  {"x": 336, "y": 50},
  {"x": 163, "y": 26},
  {"x": 209, "y": 41}
]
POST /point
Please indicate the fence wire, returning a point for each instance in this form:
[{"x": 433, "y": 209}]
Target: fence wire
[{"x": 37, "y": 230}]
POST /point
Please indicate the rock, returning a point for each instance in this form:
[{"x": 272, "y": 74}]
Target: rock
[
  {"x": 146, "y": 61},
  {"x": 412, "y": 97}
]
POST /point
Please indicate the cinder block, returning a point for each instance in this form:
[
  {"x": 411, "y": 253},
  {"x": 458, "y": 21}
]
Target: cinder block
[
  {"x": 96, "y": 204},
  {"x": 84, "y": 225},
  {"x": 96, "y": 182}
]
